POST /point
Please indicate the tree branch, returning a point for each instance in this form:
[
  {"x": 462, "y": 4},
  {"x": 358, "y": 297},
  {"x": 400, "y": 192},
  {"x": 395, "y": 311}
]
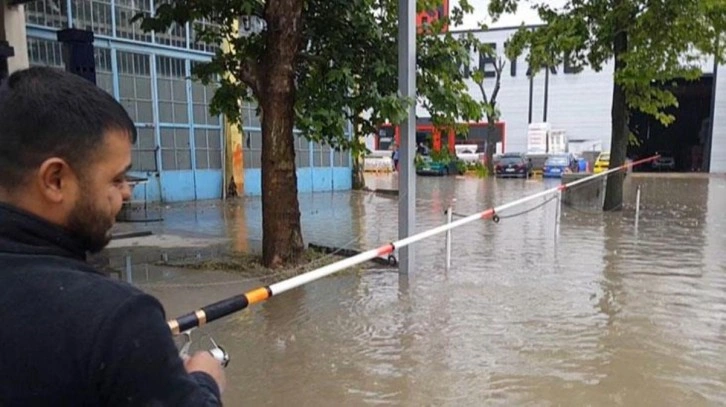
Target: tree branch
[
  {"x": 249, "y": 73},
  {"x": 499, "y": 68},
  {"x": 483, "y": 92}
]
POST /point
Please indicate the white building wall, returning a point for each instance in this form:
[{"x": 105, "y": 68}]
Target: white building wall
[
  {"x": 13, "y": 26},
  {"x": 718, "y": 144}
]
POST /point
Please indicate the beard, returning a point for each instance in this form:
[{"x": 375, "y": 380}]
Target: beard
[{"x": 90, "y": 225}]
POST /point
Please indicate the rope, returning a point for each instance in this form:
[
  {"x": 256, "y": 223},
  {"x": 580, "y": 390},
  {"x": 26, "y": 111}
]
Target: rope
[
  {"x": 598, "y": 212},
  {"x": 514, "y": 215}
]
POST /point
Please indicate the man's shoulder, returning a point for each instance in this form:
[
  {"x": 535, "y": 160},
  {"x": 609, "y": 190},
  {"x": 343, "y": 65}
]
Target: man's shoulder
[{"x": 74, "y": 282}]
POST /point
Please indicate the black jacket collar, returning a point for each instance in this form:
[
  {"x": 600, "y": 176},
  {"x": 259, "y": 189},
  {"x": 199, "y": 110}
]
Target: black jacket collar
[{"x": 25, "y": 233}]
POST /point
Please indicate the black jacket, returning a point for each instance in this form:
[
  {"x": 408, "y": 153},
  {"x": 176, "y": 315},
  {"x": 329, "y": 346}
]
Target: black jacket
[{"x": 70, "y": 336}]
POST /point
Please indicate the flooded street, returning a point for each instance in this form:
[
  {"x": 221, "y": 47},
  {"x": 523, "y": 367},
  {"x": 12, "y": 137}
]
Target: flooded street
[{"x": 595, "y": 313}]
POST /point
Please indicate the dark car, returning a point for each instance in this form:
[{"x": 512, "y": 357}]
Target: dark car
[
  {"x": 513, "y": 165},
  {"x": 664, "y": 162}
]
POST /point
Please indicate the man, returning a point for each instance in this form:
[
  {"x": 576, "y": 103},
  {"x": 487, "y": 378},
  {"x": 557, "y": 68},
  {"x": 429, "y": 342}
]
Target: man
[{"x": 71, "y": 336}]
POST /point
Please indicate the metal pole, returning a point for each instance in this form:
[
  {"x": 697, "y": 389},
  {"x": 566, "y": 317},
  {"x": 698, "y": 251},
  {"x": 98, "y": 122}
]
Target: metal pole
[
  {"x": 706, "y": 155},
  {"x": 557, "y": 213},
  {"x": 407, "y": 88},
  {"x": 546, "y": 93},
  {"x": 129, "y": 278},
  {"x": 531, "y": 93},
  {"x": 449, "y": 217},
  {"x": 637, "y": 207}
]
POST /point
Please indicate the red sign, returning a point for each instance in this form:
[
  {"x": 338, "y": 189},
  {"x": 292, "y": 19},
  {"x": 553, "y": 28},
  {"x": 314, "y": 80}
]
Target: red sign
[{"x": 433, "y": 15}]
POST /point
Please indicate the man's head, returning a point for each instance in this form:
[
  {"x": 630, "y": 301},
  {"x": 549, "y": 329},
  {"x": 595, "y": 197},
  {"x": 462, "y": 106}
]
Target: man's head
[{"x": 65, "y": 148}]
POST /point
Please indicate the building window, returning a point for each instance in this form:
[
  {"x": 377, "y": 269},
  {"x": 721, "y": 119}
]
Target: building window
[
  {"x": 302, "y": 152},
  {"x": 321, "y": 155},
  {"x": 195, "y": 42},
  {"x": 250, "y": 118},
  {"x": 143, "y": 155},
  {"x": 176, "y": 153},
  {"x": 104, "y": 72},
  {"x": 135, "y": 86},
  {"x": 125, "y": 11},
  {"x": 49, "y": 13},
  {"x": 252, "y": 148},
  {"x": 174, "y": 36},
  {"x": 201, "y": 99},
  {"x": 93, "y": 15},
  {"x": 340, "y": 158},
  {"x": 172, "y": 87},
  {"x": 208, "y": 149},
  {"x": 45, "y": 53}
]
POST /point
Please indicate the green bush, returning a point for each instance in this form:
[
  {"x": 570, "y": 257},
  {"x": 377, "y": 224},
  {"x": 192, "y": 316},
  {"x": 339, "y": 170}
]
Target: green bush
[
  {"x": 480, "y": 169},
  {"x": 461, "y": 166},
  {"x": 441, "y": 156}
]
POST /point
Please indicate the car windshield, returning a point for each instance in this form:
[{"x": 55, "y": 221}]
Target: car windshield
[
  {"x": 604, "y": 157},
  {"x": 510, "y": 160},
  {"x": 561, "y": 160}
]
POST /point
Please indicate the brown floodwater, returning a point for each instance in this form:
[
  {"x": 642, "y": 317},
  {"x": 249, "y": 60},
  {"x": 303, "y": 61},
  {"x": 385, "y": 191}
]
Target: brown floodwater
[{"x": 594, "y": 312}]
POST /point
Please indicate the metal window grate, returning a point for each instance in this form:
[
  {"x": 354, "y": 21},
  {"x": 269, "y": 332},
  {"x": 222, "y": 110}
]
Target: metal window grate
[
  {"x": 135, "y": 86},
  {"x": 45, "y": 53},
  {"x": 172, "y": 90},
  {"x": 208, "y": 148},
  {"x": 176, "y": 153},
  {"x": 49, "y": 13},
  {"x": 93, "y": 15},
  {"x": 125, "y": 11},
  {"x": 143, "y": 155}
]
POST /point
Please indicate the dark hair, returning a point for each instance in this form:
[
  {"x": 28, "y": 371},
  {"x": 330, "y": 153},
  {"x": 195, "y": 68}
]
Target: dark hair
[{"x": 46, "y": 112}]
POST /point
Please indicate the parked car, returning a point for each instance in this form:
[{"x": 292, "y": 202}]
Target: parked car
[
  {"x": 558, "y": 164},
  {"x": 602, "y": 163},
  {"x": 664, "y": 162},
  {"x": 513, "y": 165},
  {"x": 467, "y": 153},
  {"x": 428, "y": 166}
]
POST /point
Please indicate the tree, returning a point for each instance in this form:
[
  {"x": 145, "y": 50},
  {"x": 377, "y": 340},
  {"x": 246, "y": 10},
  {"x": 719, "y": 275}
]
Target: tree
[
  {"x": 650, "y": 43},
  {"x": 489, "y": 104},
  {"x": 317, "y": 65}
]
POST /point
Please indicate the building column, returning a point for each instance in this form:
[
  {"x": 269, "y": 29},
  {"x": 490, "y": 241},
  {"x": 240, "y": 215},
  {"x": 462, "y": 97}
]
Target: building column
[
  {"x": 233, "y": 138},
  {"x": 12, "y": 30}
]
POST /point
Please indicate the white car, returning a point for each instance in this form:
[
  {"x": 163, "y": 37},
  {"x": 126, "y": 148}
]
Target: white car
[{"x": 467, "y": 153}]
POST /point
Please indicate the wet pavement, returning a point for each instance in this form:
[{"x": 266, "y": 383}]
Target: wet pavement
[{"x": 595, "y": 312}]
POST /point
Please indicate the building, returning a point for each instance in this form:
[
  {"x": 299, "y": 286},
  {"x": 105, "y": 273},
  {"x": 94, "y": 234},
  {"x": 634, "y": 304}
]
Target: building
[
  {"x": 184, "y": 152},
  {"x": 579, "y": 103}
]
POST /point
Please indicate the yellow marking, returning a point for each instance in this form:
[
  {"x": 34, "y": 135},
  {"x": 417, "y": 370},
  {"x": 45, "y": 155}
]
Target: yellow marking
[
  {"x": 257, "y": 295},
  {"x": 201, "y": 316},
  {"x": 174, "y": 326}
]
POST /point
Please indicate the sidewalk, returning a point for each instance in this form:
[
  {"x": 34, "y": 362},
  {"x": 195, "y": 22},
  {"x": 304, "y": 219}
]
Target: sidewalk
[{"x": 208, "y": 229}]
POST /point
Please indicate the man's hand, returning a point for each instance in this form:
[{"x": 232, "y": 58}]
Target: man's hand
[{"x": 203, "y": 361}]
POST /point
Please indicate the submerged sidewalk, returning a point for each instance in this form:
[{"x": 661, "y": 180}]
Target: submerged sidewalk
[{"x": 207, "y": 229}]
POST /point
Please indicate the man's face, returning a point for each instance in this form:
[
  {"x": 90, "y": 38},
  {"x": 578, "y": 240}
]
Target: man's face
[{"x": 102, "y": 190}]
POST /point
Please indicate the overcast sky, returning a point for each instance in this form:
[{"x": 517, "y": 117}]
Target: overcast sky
[{"x": 524, "y": 14}]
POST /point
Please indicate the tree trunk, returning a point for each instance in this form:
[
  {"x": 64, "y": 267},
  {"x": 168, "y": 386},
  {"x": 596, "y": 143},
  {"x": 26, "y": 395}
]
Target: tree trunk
[
  {"x": 281, "y": 232},
  {"x": 491, "y": 145},
  {"x": 619, "y": 138},
  {"x": 359, "y": 181}
]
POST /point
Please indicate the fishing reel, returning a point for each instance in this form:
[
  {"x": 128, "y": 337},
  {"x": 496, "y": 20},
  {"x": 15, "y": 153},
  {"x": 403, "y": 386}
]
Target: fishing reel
[{"x": 216, "y": 351}]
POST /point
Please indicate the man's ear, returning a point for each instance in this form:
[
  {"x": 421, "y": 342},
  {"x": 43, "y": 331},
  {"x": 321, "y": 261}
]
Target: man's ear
[{"x": 53, "y": 179}]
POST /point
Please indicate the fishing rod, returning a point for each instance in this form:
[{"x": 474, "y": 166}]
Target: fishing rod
[{"x": 239, "y": 302}]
